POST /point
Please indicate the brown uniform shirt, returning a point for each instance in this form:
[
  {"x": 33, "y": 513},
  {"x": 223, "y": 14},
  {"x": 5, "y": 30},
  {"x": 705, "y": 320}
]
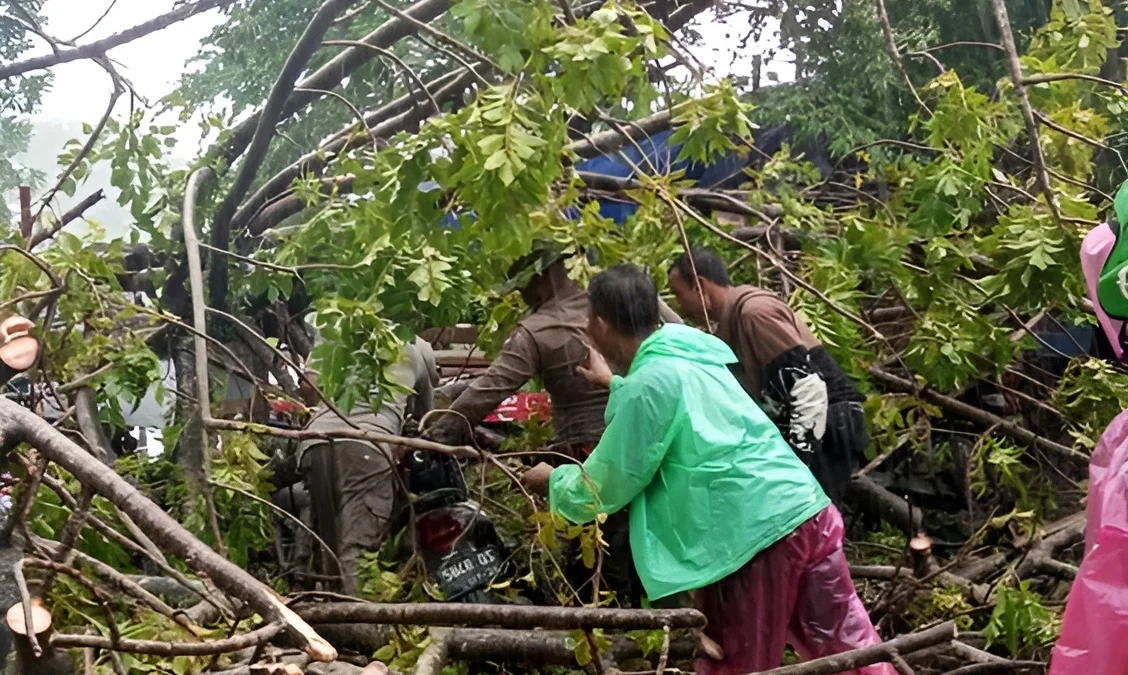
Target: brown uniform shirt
[
  {"x": 759, "y": 327},
  {"x": 549, "y": 343}
]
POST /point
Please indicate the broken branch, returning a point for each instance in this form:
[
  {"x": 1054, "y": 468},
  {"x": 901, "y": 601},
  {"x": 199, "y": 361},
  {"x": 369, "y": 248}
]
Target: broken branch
[
  {"x": 18, "y": 424},
  {"x": 502, "y": 616},
  {"x": 155, "y": 648},
  {"x": 99, "y": 48},
  {"x": 881, "y": 653}
]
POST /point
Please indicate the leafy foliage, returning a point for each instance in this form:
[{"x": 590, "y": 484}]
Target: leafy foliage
[{"x": 1019, "y": 621}]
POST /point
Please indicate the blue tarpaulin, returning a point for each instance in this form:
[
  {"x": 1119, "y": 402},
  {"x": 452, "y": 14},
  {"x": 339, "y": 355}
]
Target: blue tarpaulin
[
  {"x": 726, "y": 172},
  {"x": 660, "y": 157}
]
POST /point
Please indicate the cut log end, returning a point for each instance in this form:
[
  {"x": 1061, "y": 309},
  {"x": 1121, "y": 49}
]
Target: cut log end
[{"x": 40, "y": 619}]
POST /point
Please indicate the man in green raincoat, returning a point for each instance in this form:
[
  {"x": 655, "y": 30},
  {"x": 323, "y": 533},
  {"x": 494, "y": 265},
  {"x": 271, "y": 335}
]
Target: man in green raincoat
[{"x": 719, "y": 503}]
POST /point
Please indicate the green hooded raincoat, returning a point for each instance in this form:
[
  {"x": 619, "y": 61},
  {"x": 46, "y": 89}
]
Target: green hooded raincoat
[{"x": 708, "y": 477}]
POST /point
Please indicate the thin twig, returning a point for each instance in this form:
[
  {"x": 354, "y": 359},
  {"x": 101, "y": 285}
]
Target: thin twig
[
  {"x": 94, "y": 25},
  {"x": 1044, "y": 78},
  {"x": 459, "y": 451},
  {"x": 73, "y": 214},
  {"x": 400, "y": 62},
  {"x": 100, "y": 47},
  {"x": 85, "y": 151},
  {"x": 895, "y": 54},
  {"x": 352, "y": 108},
  {"x": 445, "y": 37},
  {"x": 252, "y": 639}
]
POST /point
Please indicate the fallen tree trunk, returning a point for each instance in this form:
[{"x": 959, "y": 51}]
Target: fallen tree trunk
[
  {"x": 544, "y": 648},
  {"x": 882, "y": 653},
  {"x": 210, "y": 648},
  {"x": 1015, "y": 431},
  {"x": 530, "y": 647},
  {"x": 501, "y": 616},
  {"x": 888, "y": 506},
  {"x": 17, "y": 424},
  {"x": 978, "y": 592}
]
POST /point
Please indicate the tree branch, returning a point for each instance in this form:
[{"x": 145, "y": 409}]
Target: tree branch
[
  {"x": 272, "y": 113},
  {"x": 199, "y": 344},
  {"x": 90, "y": 142},
  {"x": 99, "y": 48},
  {"x": 445, "y": 37},
  {"x": 1044, "y": 78},
  {"x": 69, "y": 217},
  {"x": 1015, "y": 431},
  {"x": 330, "y": 75},
  {"x": 122, "y": 583},
  {"x": 501, "y": 616},
  {"x": 209, "y": 648},
  {"x": 18, "y": 424},
  {"x": 384, "y": 122},
  {"x": 459, "y": 451},
  {"x": 1006, "y": 37},
  {"x": 895, "y": 54},
  {"x": 881, "y": 653},
  {"x": 408, "y": 72}
]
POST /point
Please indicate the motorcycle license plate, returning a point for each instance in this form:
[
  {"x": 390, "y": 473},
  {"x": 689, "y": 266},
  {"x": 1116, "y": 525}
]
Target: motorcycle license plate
[{"x": 467, "y": 569}]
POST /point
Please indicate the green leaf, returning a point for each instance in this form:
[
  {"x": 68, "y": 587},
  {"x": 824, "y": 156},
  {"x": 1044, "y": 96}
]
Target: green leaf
[{"x": 495, "y": 161}]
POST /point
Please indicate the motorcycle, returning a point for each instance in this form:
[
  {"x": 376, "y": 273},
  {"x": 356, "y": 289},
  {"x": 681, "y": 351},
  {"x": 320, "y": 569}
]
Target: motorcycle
[
  {"x": 461, "y": 549},
  {"x": 459, "y": 543}
]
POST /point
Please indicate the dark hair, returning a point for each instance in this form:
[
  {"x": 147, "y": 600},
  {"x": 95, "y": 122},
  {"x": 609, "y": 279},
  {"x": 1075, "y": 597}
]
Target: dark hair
[
  {"x": 625, "y": 297},
  {"x": 709, "y": 266}
]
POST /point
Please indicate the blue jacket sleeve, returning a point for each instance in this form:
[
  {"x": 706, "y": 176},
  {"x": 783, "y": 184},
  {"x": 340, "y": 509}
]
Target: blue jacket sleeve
[{"x": 640, "y": 424}]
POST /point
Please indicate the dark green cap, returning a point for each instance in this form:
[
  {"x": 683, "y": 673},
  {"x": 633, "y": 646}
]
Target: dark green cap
[{"x": 544, "y": 255}]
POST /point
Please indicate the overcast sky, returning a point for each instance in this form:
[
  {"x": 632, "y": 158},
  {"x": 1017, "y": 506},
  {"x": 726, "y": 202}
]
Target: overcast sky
[{"x": 154, "y": 65}]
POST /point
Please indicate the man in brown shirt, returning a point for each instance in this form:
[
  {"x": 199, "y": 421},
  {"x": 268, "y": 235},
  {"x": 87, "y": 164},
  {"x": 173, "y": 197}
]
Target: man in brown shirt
[
  {"x": 783, "y": 367},
  {"x": 549, "y": 343}
]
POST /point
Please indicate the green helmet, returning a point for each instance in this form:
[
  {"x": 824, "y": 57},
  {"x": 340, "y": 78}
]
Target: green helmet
[
  {"x": 1112, "y": 287},
  {"x": 545, "y": 254}
]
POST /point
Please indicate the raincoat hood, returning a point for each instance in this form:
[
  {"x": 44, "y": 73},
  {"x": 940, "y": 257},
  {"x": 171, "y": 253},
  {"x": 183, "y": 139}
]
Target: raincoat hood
[{"x": 685, "y": 343}]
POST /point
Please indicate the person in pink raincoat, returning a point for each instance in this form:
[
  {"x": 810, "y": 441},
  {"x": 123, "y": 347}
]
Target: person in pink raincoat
[{"x": 1096, "y": 615}]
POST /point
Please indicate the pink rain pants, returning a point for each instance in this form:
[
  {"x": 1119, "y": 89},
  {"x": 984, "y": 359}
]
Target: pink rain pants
[
  {"x": 798, "y": 592},
  {"x": 1093, "y": 633}
]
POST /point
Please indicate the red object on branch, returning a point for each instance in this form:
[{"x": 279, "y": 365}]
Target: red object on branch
[
  {"x": 25, "y": 212},
  {"x": 521, "y": 407}
]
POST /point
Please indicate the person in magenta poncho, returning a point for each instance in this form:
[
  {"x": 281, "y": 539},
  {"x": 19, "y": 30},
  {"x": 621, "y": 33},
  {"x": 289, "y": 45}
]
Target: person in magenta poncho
[{"x": 1097, "y": 611}]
